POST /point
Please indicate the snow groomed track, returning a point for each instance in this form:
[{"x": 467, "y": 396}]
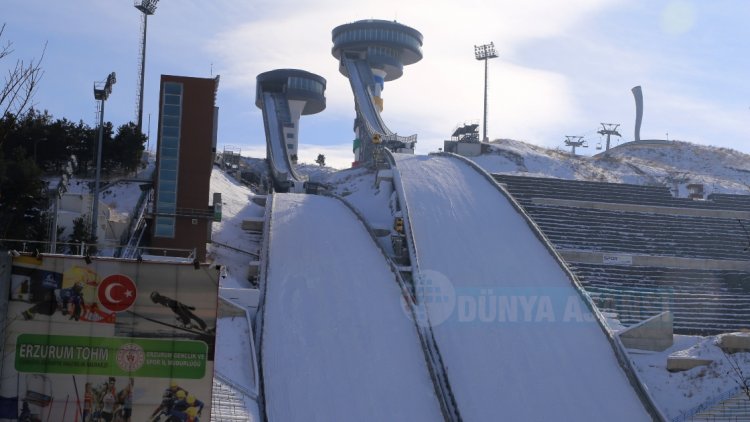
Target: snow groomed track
[
  {"x": 282, "y": 169},
  {"x": 337, "y": 345},
  {"x": 516, "y": 339}
]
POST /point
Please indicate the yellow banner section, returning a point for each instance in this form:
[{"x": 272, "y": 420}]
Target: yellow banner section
[{"x": 378, "y": 103}]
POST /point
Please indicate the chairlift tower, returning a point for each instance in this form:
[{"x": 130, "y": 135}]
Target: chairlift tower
[
  {"x": 575, "y": 141},
  {"x": 609, "y": 129},
  {"x": 485, "y": 52},
  {"x": 147, "y": 8}
]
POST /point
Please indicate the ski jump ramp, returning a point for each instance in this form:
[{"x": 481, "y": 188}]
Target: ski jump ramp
[
  {"x": 336, "y": 344},
  {"x": 516, "y": 338},
  {"x": 284, "y": 95}
]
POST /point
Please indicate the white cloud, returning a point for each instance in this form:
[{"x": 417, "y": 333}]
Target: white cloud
[{"x": 435, "y": 94}]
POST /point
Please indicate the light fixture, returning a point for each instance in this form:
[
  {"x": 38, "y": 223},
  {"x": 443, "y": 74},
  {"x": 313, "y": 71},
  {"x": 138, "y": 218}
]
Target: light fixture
[
  {"x": 87, "y": 258},
  {"x": 196, "y": 264}
]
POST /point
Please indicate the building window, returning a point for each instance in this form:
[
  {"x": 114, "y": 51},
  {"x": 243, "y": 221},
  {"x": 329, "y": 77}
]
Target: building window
[
  {"x": 290, "y": 146},
  {"x": 305, "y": 84},
  {"x": 169, "y": 153},
  {"x": 290, "y": 136},
  {"x": 164, "y": 227}
]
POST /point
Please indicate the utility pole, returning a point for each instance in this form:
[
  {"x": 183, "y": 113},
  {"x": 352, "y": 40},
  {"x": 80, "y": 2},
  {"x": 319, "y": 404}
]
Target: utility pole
[
  {"x": 101, "y": 93},
  {"x": 609, "y": 129},
  {"x": 485, "y": 52},
  {"x": 575, "y": 141}
]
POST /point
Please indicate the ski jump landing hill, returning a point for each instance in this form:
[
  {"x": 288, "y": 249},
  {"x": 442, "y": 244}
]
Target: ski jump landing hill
[
  {"x": 517, "y": 339},
  {"x": 371, "y": 52},
  {"x": 284, "y": 95},
  {"x": 335, "y": 342}
]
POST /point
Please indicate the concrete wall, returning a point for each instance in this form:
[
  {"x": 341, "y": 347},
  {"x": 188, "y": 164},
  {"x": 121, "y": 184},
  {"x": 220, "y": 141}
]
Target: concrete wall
[
  {"x": 599, "y": 258},
  {"x": 653, "y": 209},
  {"x": 655, "y": 333},
  {"x": 735, "y": 342},
  {"x": 467, "y": 149}
]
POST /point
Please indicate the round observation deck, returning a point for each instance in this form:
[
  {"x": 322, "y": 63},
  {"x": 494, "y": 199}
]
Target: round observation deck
[
  {"x": 295, "y": 84},
  {"x": 386, "y": 45}
]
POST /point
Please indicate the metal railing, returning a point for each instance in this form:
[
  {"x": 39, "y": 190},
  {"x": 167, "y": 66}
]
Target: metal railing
[
  {"x": 19, "y": 247},
  {"x": 707, "y": 405}
]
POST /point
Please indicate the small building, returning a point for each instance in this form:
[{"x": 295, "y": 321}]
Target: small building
[
  {"x": 464, "y": 141},
  {"x": 186, "y": 146}
]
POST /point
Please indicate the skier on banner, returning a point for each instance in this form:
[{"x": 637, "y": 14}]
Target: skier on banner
[
  {"x": 182, "y": 311},
  {"x": 71, "y": 295}
]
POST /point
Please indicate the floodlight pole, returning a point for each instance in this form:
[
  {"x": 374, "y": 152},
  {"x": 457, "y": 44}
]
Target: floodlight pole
[
  {"x": 485, "y": 52},
  {"x": 147, "y": 7},
  {"x": 101, "y": 93}
]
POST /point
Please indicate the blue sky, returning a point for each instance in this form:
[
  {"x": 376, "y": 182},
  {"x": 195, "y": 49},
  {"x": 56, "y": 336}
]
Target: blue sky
[{"x": 563, "y": 66}]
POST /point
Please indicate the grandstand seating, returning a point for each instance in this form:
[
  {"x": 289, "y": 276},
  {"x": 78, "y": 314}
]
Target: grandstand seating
[
  {"x": 703, "y": 301},
  {"x": 525, "y": 188},
  {"x": 641, "y": 233}
]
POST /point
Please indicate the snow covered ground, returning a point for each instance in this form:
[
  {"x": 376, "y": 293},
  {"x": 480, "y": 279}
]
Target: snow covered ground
[
  {"x": 512, "y": 365},
  {"x": 678, "y": 392},
  {"x": 229, "y": 240},
  {"x": 517, "y": 341},
  {"x": 672, "y": 164},
  {"x": 336, "y": 344},
  {"x": 234, "y": 356}
]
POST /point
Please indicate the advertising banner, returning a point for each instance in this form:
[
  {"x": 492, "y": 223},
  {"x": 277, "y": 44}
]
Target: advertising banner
[{"x": 113, "y": 340}]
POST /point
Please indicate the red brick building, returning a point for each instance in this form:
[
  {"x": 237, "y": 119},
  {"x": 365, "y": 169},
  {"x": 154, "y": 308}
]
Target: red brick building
[{"x": 186, "y": 145}]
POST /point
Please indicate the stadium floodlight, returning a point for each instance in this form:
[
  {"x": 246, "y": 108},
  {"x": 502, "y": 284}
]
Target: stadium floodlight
[
  {"x": 485, "y": 52},
  {"x": 147, "y": 7},
  {"x": 101, "y": 93}
]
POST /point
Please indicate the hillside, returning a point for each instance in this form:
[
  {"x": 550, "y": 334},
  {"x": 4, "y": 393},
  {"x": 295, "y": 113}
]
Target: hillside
[{"x": 674, "y": 164}]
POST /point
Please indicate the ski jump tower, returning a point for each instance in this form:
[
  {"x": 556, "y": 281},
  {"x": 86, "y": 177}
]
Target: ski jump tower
[
  {"x": 284, "y": 95},
  {"x": 371, "y": 52}
]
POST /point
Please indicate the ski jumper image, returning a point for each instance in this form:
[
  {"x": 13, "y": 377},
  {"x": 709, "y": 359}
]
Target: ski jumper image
[{"x": 182, "y": 311}]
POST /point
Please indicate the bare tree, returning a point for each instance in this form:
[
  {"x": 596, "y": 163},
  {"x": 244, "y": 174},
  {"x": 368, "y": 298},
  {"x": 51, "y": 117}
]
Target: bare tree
[
  {"x": 21, "y": 80},
  {"x": 736, "y": 373}
]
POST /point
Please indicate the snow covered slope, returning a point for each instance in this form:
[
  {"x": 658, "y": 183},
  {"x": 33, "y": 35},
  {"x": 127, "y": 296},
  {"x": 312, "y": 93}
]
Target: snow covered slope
[
  {"x": 674, "y": 164},
  {"x": 336, "y": 344},
  {"x": 516, "y": 339}
]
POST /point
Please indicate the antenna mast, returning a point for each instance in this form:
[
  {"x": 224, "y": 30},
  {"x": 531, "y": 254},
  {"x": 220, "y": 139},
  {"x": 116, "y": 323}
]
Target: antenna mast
[{"x": 609, "y": 129}]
